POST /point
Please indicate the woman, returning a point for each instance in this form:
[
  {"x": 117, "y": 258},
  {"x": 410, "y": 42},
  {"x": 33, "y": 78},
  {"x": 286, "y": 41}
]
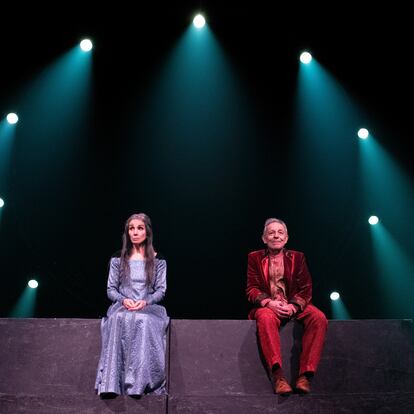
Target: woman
[{"x": 132, "y": 359}]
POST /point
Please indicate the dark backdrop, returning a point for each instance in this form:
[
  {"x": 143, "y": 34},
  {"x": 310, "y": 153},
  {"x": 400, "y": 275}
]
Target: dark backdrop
[{"x": 64, "y": 213}]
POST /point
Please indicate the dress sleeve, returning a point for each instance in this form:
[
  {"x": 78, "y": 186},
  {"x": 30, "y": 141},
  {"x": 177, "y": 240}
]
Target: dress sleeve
[
  {"x": 159, "y": 286},
  {"x": 112, "y": 289}
]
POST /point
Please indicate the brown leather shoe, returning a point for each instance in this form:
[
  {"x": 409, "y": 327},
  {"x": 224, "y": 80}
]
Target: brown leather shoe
[
  {"x": 282, "y": 387},
  {"x": 302, "y": 385}
]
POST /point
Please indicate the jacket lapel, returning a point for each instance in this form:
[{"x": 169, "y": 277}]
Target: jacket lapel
[
  {"x": 287, "y": 263},
  {"x": 265, "y": 267}
]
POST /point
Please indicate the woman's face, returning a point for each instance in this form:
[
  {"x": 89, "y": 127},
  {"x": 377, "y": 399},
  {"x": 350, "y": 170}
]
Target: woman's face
[{"x": 137, "y": 232}]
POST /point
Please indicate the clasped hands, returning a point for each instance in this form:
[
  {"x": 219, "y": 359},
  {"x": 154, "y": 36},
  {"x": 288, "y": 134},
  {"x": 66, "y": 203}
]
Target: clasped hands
[
  {"x": 134, "y": 305},
  {"x": 282, "y": 309}
]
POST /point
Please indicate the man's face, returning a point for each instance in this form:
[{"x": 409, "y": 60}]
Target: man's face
[{"x": 275, "y": 236}]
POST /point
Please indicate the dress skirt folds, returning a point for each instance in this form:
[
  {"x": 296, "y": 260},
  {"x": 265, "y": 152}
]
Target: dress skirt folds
[{"x": 134, "y": 342}]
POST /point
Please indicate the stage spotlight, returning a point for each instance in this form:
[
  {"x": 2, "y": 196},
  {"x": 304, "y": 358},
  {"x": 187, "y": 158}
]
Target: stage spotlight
[
  {"x": 305, "y": 57},
  {"x": 363, "y": 133},
  {"x": 1, "y": 202},
  {"x": 33, "y": 284},
  {"x": 373, "y": 220},
  {"x": 335, "y": 296},
  {"x": 199, "y": 21},
  {"x": 86, "y": 45},
  {"x": 12, "y": 118}
]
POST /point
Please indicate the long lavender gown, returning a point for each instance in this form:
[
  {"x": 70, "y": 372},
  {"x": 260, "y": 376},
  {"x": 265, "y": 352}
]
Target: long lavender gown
[{"x": 133, "y": 342}]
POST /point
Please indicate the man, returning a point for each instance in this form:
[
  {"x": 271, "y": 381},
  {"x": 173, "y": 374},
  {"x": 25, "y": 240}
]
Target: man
[{"x": 280, "y": 288}]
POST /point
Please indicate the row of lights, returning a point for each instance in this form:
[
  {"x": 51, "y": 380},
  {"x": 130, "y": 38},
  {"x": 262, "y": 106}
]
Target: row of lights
[
  {"x": 199, "y": 22},
  {"x": 34, "y": 284},
  {"x": 372, "y": 219},
  {"x": 12, "y": 118}
]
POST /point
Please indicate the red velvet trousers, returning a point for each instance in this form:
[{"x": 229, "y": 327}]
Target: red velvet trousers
[{"x": 314, "y": 324}]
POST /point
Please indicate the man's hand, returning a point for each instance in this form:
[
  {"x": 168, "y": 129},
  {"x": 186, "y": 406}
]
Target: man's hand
[
  {"x": 292, "y": 309},
  {"x": 282, "y": 309}
]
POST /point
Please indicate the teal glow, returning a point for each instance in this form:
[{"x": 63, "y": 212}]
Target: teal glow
[
  {"x": 339, "y": 310},
  {"x": 395, "y": 269},
  {"x": 387, "y": 190},
  {"x": 324, "y": 152},
  {"x": 385, "y": 187},
  {"x": 7, "y": 137},
  {"x": 324, "y": 106},
  {"x": 55, "y": 108},
  {"x": 25, "y": 306},
  {"x": 197, "y": 125},
  {"x": 58, "y": 96}
]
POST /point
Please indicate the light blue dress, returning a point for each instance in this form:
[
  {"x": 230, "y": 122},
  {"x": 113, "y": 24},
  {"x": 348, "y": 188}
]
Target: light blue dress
[{"x": 133, "y": 342}]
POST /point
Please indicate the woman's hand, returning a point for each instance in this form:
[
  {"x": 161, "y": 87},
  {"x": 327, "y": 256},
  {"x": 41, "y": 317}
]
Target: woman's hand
[
  {"x": 128, "y": 303},
  {"x": 137, "y": 305}
]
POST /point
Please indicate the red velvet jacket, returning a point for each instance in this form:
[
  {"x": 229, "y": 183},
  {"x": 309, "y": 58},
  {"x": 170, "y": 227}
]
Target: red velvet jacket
[{"x": 297, "y": 278}]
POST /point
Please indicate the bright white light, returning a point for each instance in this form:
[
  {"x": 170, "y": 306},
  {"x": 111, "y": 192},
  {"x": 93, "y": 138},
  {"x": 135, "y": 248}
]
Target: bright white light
[
  {"x": 373, "y": 220},
  {"x": 199, "y": 21},
  {"x": 12, "y": 118},
  {"x": 1, "y": 202},
  {"x": 86, "y": 45},
  {"x": 305, "y": 57},
  {"x": 363, "y": 133},
  {"x": 335, "y": 296},
  {"x": 33, "y": 284}
]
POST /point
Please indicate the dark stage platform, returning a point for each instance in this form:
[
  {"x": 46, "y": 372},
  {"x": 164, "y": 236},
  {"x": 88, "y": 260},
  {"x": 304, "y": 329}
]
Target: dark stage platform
[{"x": 49, "y": 366}]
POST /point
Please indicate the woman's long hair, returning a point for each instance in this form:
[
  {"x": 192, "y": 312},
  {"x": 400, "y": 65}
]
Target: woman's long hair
[{"x": 149, "y": 252}]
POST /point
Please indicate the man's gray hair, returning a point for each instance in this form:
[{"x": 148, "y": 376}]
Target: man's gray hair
[{"x": 274, "y": 220}]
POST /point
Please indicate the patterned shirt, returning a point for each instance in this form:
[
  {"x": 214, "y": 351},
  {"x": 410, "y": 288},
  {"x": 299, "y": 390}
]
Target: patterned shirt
[{"x": 277, "y": 282}]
